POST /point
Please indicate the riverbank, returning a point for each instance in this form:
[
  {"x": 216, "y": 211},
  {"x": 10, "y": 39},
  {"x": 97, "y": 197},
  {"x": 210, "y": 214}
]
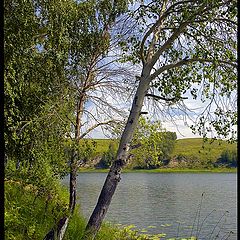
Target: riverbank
[
  {"x": 164, "y": 170},
  {"x": 29, "y": 216}
]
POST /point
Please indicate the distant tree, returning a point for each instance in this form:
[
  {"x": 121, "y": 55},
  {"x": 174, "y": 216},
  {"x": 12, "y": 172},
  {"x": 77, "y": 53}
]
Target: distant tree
[
  {"x": 108, "y": 156},
  {"x": 167, "y": 144},
  {"x": 154, "y": 144},
  {"x": 228, "y": 158}
]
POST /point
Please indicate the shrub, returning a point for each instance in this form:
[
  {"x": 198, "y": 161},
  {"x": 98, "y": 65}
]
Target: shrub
[
  {"x": 228, "y": 158},
  {"x": 29, "y": 211}
]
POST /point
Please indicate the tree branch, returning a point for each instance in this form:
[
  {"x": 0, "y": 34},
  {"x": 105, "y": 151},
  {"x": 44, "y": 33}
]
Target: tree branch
[
  {"x": 178, "y": 31},
  {"x": 224, "y": 20},
  {"x": 95, "y": 126},
  {"x": 157, "y": 24},
  {"x": 163, "y": 98},
  {"x": 188, "y": 61},
  {"x": 167, "y": 43},
  {"x": 135, "y": 146}
]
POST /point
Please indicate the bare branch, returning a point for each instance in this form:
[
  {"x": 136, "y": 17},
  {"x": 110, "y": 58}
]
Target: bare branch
[
  {"x": 225, "y": 20},
  {"x": 135, "y": 146},
  {"x": 180, "y": 30},
  {"x": 95, "y": 126},
  {"x": 163, "y": 98},
  {"x": 156, "y": 25},
  {"x": 189, "y": 61},
  {"x": 176, "y": 33}
]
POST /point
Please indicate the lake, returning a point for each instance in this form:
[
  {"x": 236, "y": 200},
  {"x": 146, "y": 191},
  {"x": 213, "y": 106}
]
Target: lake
[{"x": 169, "y": 203}]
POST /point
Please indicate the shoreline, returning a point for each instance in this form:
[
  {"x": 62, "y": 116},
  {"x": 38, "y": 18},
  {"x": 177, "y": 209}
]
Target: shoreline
[{"x": 162, "y": 170}]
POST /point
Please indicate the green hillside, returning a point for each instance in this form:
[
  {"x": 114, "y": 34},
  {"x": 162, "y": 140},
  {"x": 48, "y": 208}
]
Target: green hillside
[
  {"x": 196, "y": 147},
  {"x": 186, "y": 147},
  {"x": 99, "y": 145}
]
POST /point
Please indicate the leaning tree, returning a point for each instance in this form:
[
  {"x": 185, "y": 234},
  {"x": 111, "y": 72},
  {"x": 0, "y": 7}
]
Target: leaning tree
[{"x": 183, "y": 47}]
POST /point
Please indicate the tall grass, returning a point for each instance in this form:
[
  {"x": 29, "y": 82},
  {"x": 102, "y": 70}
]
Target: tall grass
[{"x": 29, "y": 214}]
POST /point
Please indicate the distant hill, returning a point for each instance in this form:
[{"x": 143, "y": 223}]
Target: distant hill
[
  {"x": 186, "y": 147},
  {"x": 195, "y": 146}
]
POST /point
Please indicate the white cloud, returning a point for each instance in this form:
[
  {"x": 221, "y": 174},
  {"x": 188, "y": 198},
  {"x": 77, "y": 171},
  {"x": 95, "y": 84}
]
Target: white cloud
[{"x": 181, "y": 129}]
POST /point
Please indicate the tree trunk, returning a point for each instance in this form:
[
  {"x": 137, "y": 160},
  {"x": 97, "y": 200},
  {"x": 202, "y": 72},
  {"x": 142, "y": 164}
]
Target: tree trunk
[
  {"x": 72, "y": 184},
  {"x": 113, "y": 176},
  {"x": 74, "y": 157},
  {"x": 59, "y": 231}
]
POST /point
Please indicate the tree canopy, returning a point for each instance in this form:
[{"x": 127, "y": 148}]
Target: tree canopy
[
  {"x": 190, "y": 49},
  {"x": 179, "y": 45},
  {"x": 153, "y": 144}
]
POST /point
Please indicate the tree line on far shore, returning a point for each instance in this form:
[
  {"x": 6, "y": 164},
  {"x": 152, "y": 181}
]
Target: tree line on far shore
[{"x": 152, "y": 148}]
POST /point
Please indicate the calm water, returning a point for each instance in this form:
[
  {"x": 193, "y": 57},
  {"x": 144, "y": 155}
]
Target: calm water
[{"x": 168, "y": 201}]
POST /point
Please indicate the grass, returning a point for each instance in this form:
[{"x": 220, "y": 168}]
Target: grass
[
  {"x": 187, "y": 147},
  {"x": 29, "y": 214},
  {"x": 194, "y": 146}
]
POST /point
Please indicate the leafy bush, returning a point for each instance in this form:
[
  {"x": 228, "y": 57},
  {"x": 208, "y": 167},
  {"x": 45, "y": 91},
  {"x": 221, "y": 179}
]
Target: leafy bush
[
  {"x": 155, "y": 145},
  {"x": 108, "y": 156},
  {"x": 29, "y": 211}
]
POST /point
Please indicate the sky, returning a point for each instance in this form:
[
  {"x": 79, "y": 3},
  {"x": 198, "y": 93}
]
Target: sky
[
  {"x": 181, "y": 130},
  {"x": 179, "y": 126}
]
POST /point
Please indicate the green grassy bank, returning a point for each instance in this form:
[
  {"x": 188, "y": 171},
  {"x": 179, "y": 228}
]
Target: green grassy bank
[
  {"x": 195, "y": 146},
  {"x": 188, "y": 155},
  {"x": 164, "y": 170}
]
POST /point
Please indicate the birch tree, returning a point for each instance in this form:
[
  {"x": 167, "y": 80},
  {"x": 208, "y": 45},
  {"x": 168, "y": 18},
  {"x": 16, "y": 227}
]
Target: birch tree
[
  {"x": 180, "y": 45},
  {"x": 90, "y": 74}
]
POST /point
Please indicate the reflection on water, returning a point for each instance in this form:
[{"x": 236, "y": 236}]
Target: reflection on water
[{"x": 167, "y": 201}]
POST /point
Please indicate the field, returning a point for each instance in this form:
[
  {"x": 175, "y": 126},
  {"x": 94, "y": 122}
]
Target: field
[
  {"x": 195, "y": 146},
  {"x": 187, "y": 147}
]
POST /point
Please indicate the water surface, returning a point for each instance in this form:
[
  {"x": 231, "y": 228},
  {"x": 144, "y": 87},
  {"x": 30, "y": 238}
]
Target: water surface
[{"x": 169, "y": 202}]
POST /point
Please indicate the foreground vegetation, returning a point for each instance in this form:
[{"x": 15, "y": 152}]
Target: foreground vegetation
[
  {"x": 29, "y": 215},
  {"x": 70, "y": 67}
]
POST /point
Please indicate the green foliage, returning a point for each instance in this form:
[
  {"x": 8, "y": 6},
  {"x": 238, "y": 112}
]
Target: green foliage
[
  {"x": 85, "y": 149},
  {"x": 36, "y": 105},
  {"x": 76, "y": 226},
  {"x": 29, "y": 211},
  {"x": 109, "y": 156},
  {"x": 192, "y": 49},
  {"x": 110, "y": 231},
  {"x": 227, "y": 159},
  {"x": 155, "y": 144}
]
